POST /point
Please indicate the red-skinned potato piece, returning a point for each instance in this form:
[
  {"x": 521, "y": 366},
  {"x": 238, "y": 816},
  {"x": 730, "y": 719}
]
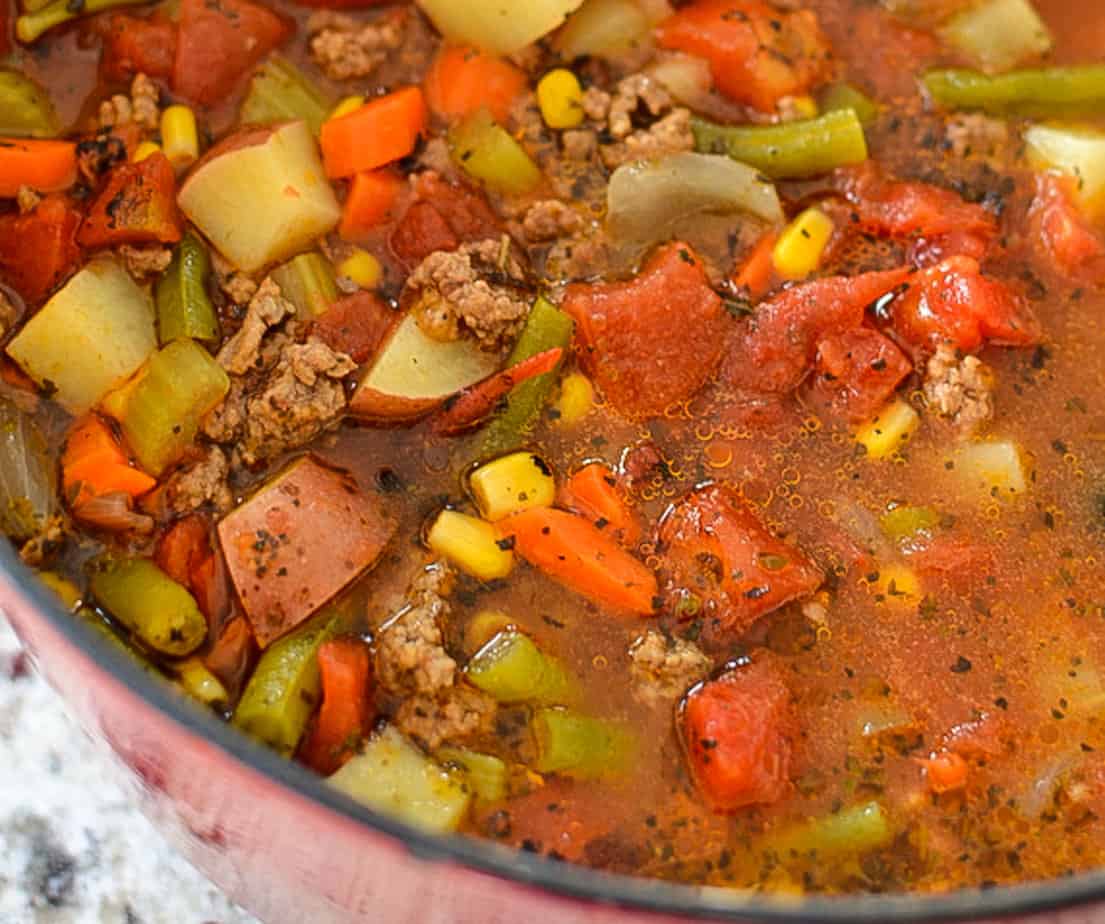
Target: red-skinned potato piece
[
  {"x": 738, "y": 732},
  {"x": 138, "y": 45},
  {"x": 356, "y": 325},
  {"x": 1061, "y": 231},
  {"x": 50, "y": 234},
  {"x": 219, "y": 42},
  {"x": 757, "y": 53},
  {"x": 856, "y": 372},
  {"x": 653, "y": 340},
  {"x": 720, "y": 564},
  {"x": 297, "y": 542},
  {"x": 443, "y": 216},
  {"x": 137, "y": 206}
]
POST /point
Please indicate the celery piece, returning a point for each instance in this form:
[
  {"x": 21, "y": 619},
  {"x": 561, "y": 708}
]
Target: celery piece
[
  {"x": 25, "y": 108},
  {"x": 184, "y": 308},
  {"x": 790, "y": 150},
  {"x": 144, "y": 599},
  {"x": 181, "y": 383},
  {"x": 580, "y": 746},
  {"x": 393, "y": 776},
  {"x": 280, "y": 92},
  {"x": 485, "y": 774},
  {"x": 485, "y": 151},
  {"x": 309, "y": 283},
  {"x": 839, "y": 96},
  {"x": 546, "y": 328},
  {"x": 853, "y": 830},
  {"x": 1053, "y": 92},
  {"x": 904, "y": 523},
  {"x": 34, "y": 23},
  {"x": 512, "y": 669},
  {"x": 998, "y": 34}
]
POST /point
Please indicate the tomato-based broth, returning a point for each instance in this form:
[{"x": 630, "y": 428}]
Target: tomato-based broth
[{"x": 665, "y": 437}]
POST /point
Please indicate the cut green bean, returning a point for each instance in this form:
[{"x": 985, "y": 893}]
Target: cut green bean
[
  {"x": 25, "y": 108},
  {"x": 1053, "y": 92},
  {"x": 790, "y": 150},
  {"x": 281, "y": 92},
  {"x": 853, "y": 830},
  {"x": 34, "y": 23},
  {"x": 580, "y": 746},
  {"x": 839, "y": 96},
  {"x": 484, "y": 773},
  {"x": 184, "y": 308},
  {"x": 309, "y": 283},
  {"x": 512, "y": 669}
]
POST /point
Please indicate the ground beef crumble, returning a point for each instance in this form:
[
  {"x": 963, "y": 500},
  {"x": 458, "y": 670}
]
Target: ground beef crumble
[
  {"x": 344, "y": 48},
  {"x": 457, "y": 713},
  {"x": 236, "y": 286},
  {"x": 410, "y": 650},
  {"x": 27, "y": 199},
  {"x": 141, "y": 107},
  {"x": 267, "y": 308},
  {"x": 145, "y": 260},
  {"x": 200, "y": 483},
  {"x": 959, "y": 388},
  {"x": 550, "y": 219},
  {"x": 663, "y": 669}
]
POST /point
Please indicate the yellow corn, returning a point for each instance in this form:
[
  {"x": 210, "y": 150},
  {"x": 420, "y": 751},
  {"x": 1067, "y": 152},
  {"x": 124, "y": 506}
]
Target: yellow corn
[
  {"x": 800, "y": 247},
  {"x": 889, "y": 430},
  {"x": 179, "y": 138},
  {"x": 801, "y": 107},
  {"x": 484, "y": 626},
  {"x": 361, "y": 267},
  {"x": 470, "y": 544},
  {"x": 561, "y": 99},
  {"x": 897, "y": 586},
  {"x": 144, "y": 150},
  {"x": 512, "y": 484},
  {"x": 346, "y": 106},
  {"x": 63, "y": 587},
  {"x": 199, "y": 683},
  {"x": 577, "y": 397}
]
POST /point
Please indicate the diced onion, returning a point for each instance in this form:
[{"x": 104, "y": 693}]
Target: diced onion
[{"x": 27, "y": 497}]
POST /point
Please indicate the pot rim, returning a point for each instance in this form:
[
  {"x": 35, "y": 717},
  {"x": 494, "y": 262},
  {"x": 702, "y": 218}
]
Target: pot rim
[{"x": 564, "y": 879}]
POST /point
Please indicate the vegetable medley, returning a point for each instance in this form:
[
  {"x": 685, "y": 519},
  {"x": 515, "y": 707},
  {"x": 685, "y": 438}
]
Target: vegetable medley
[{"x": 666, "y": 437}]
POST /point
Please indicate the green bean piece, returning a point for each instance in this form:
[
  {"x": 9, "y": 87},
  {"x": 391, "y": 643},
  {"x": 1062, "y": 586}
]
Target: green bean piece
[
  {"x": 904, "y": 523},
  {"x": 790, "y": 150},
  {"x": 144, "y": 599},
  {"x": 512, "y": 669},
  {"x": 853, "y": 830},
  {"x": 1052, "y": 92},
  {"x": 34, "y": 23},
  {"x": 309, "y": 283},
  {"x": 546, "y": 328},
  {"x": 25, "y": 108},
  {"x": 838, "y": 96},
  {"x": 485, "y": 774},
  {"x": 281, "y": 92},
  {"x": 184, "y": 308},
  {"x": 580, "y": 746}
]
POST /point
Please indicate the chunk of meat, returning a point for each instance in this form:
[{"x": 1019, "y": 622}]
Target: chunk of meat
[
  {"x": 663, "y": 668},
  {"x": 267, "y": 308},
  {"x": 443, "y": 216},
  {"x": 721, "y": 566},
  {"x": 480, "y": 290},
  {"x": 550, "y": 219},
  {"x": 234, "y": 284},
  {"x": 202, "y": 483},
  {"x": 653, "y": 340},
  {"x": 636, "y": 98},
  {"x": 344, "y": 48},
  {"x": 959, "y": 388},
  {"x": 141, "y": 108},
  {"x": 1063, "y": 233},
  {"x": 738, "y": 731},
  {"x": 774, "y": 349},
  {"x": 50, "y": 233},
  {"x": 457, "y": 713},
  {"x": 856, "y": 372},
  {"x": 972, "y": 134},
  {"x": 670, "y": 135},
  {"x": 137, "y": 206},
  {"x": 145, "y": 260},
  {"x": 410, "y": 649},
  {"x": 279, "y": 545}
]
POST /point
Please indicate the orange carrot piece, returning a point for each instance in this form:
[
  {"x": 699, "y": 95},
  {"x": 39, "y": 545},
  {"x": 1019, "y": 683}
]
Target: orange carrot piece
[
  {"x": 945, "y": 771},
  {"x": 594, "y": 492},
  {"x": 372, "y": 195},
  {"x": 572, "y": 550},
  {"x": 183, "y": 548},
  {"x": 345, "y": 665},
  {"x": 377, "y": 133},
  {"x": 754, "y": 276},
  {"x": 46, "y": 166},
  {"x": 463, "y": 80},
  {"x": 94, "y": 464}
]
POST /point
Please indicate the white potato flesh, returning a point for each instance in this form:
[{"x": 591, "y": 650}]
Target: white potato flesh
[
  {"x": 263, "y": 202},
  {"x": 499, "y": 26},
  {"x": 996, "y": 467},
  {"x": 1076, "y": 151},
  {"x": 93, "y": 335}
]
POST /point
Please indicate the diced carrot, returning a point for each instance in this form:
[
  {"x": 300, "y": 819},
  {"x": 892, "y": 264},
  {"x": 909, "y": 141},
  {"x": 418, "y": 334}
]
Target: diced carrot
[
  {"x": 372, "y": 196},
  {"x": 755, "y": 274},
  {"x": 379, "y": 132},
  {"x": 463, "y": 80},
  {"x": 945, "y": 771},
  {"x": 94, "y": 464},
  {"x": 575, "y": 552},
  {"x": 594, "y": 492},
  {"x": 183, "y": 548},
  {"x": 345, "y": 665},
  {"x": 45, "y": 166}
]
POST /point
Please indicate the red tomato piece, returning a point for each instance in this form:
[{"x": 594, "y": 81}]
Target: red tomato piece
[
  {"x": 50, "y": 234},
  {"x": 219, "y": 42},
  {"x": 355, "y": 325},
  {"x": 183, "y": 547},
  {"x": 654, "y": 340},
  {"x": 346, "y": 668},
  {"x": 137, "y": 206},
  {"x": 757, "y": 54},
  {"x": 443, "y": 216},
  {"x": 138, "y": 45},
  {"x": 720, "y": 564},
  {"x": 1061, "y": 231},
  {"x": 856, "y": 372},
  {"x": 738, "y": 731}
]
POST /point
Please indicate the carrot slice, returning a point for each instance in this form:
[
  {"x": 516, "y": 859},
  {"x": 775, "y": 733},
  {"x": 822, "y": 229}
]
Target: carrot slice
[
  {"x": 94, "y": 464},
  {"x": 575, "y": 552},
  {"x": 754, "y": 276},
  {"x": 463, "y": 80},
  {"x": 344, "y": 715},
  {"x": 593, "y": 492},
  {"x": 372, "y": 195},
  {"x": 377, "y": 133},
  {"x": 46, "y": 166}
]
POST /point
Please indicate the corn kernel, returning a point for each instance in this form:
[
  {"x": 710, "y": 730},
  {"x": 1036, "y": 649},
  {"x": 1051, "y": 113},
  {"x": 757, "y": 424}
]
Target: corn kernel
[
  {"x": 889, "y": 430},
  {"x": 800, "y": 247},
  {"x": 346, "y": 106},
  {"x": 144, "y": 150},
  {"x": 470, "y": 544},
  {"x": 511, "y": 484},
  {"x": 897, "y": 586},
  {"x": 68, "y": 591},
  {"x": 362, "y": 268},
  {"x": 577, "y": 397},
  {"x": 484, "y": 626},
  {"x": 561, "y": 99},
  {"x": 800, "y": 107},
  {"x": 179, "y": 137}
]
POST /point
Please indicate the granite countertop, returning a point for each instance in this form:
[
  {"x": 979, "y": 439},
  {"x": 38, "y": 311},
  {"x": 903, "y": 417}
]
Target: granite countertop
[{"x": 73, "y": 848}]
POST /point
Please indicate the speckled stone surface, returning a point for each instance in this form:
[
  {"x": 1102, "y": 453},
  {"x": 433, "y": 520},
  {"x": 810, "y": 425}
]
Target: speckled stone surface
[{"x": 73, "y": 848}]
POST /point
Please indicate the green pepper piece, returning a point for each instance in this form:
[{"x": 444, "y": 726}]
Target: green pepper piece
[
  {"x": 144, "y": 599},
  {"x": 853, "y": 830},
  {"x": 25, "y": 108},
  {"x": 309, "y": 283},
  {"x": 790, "y": 150},
  {"x": 512, "y": 669},
  {"x": 1053, "y": 92},
  {"x": 838, "y": 96},
  {"x": 903, "y": 523},
  {"x": 580, "y": 746},
  {"x": 184, "y": 308},
  {"x": 281, "y": 92},
  {"x": 34, "y": 23},
  {"x": 484, "y": 773},
  {"x": 488, "y": 153},
  {"x": 546, "y": 328}
]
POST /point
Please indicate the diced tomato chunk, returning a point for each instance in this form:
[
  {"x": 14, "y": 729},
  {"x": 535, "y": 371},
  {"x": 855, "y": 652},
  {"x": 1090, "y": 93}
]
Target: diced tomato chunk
[
  {"x": 137, "y": 206},
  {"x": 720, "y": 565},
  {"x": 1062, "y": 231},
  {"x": 49, "y": 234},
  {"x": 356, "y": 325},
  {"x": 738, "y": 733},
  {"x": 443, "y": 216},
  {"x": 183, "y": 547},
  {"x": 219, "y": 43},
  {"x": 346, "y": 668},
  {"x": 653, "y": 340},
  {"x": 138, "y": 45},
  {"x": 856, "y": 372},
  {"x": 757, "y": 53}
]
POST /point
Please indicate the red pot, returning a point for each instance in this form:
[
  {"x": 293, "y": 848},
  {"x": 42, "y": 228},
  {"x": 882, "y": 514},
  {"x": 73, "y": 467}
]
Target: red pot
[{"x": 291, "y": 850}]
